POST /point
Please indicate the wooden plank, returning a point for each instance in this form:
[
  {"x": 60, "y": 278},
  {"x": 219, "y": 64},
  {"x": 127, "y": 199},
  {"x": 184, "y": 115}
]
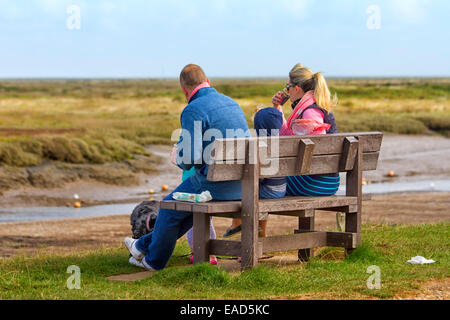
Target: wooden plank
[
  {"x": 342, "y": 239},
  {"x": 354, "y": 188},
  {"x": 250, "y": 208},
  {"x": 304, "y": 203},
  {"x": 368, "y": 142},
  {"x": 208, "y": 207},
  {"x": 288, "y": 146},
  {"x": 201, "y": 237},
  {"x": 324, "y": 164},
  {"x": 329, "y": 144},
  {"x": 287, "y": 167},
  {"x": 229, "y": 248},
  {"x": 167, "y": 204},
  {"x": 236, "y": 215},
  {"x": 224, "y": 150},
  {"x": 294, "y": 242},
  {"x": 184, "y": 206},
  {"x": 365, "y": 197},
  {"x": 306, "y": 223},
  {"x": 304, "y": 158},
  {"x": 348, "y": 154},
  {"x": 297, "y": 213},
  {"x": 334, "y": 239},
  {"x": 273, "y": 206},
  {"x": 267, "y": 155},
  {"x": 349, "y": 208}
]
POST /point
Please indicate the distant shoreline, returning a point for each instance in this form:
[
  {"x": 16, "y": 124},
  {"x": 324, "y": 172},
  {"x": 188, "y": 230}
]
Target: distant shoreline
[{"x": 275, "y": 78}]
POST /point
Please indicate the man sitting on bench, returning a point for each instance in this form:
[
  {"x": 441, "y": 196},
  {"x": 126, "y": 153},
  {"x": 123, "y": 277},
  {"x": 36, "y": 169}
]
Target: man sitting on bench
[{"x": 208, "y": 114}]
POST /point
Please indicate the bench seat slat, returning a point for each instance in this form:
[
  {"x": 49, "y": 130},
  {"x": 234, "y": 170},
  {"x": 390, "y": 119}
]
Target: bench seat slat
[{"x": 265, "y": 205}]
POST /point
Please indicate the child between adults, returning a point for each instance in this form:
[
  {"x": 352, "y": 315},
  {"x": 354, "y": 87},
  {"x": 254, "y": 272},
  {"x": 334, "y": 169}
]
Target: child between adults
[
  {"x": 267, "y": 122},
  {"x": 190, "y": 234}
]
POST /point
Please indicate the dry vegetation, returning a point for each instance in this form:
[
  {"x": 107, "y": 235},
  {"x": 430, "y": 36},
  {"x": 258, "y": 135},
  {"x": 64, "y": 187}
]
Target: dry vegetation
[{"x": 98, "y": 122}]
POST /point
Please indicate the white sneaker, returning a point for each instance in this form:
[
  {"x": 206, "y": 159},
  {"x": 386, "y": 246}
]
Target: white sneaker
[
  {"x": 131, "y": 245},
  {"x": 135, "y": 263},
  {"x": 141, "y": 264},
  {"x": 147, "y": 266}
]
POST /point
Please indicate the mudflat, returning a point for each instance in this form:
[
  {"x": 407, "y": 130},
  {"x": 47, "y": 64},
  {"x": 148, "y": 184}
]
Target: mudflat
[{"x": 412, "y": 158}]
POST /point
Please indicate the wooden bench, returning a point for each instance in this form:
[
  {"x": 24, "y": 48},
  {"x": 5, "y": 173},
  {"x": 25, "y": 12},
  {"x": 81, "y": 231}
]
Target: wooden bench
[{"x": 254, "y": 158}]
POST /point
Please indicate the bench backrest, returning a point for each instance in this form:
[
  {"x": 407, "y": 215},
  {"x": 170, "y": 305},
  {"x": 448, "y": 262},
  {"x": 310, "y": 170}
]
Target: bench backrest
[{"x": 293, "y": 155}]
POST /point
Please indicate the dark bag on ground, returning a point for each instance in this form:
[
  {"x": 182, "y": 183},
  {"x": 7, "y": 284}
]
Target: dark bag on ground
[{"x": 143, "y": 218}]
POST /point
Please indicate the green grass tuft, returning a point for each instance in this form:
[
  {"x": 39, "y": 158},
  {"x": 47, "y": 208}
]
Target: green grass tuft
[
  {"x": 327, "y": 276},
  {"x": 365, "y": 254}
]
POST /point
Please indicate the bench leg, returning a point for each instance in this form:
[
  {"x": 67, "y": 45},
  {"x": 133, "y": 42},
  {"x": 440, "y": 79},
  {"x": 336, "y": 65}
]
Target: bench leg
[
  {"x": 306, "y": 224},
  {"x": 249, "y": 240},
  {"x": 201, "y": 237},
  {"x": 353, "y": 224},
  {"x": 249, "y": 208},
  {"x": 354, "y": 188}
]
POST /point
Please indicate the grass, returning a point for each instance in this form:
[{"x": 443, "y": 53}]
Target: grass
[
  {"x": 101, "y": 121},
  {"x": 328, "y": 276}
]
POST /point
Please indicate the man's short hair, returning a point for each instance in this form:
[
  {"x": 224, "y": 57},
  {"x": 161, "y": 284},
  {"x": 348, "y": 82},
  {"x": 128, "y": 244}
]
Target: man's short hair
[{"x": 192, "y": 75}]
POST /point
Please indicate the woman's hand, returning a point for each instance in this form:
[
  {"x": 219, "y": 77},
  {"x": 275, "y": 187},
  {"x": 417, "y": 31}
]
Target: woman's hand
[{"x": 277, "y": 99}]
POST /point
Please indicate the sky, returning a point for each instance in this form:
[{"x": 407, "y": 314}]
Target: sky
[{"x": 228, "y": 38}]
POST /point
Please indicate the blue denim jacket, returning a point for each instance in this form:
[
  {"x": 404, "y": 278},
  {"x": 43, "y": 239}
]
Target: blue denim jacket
[{"x": 212, "y": 113}]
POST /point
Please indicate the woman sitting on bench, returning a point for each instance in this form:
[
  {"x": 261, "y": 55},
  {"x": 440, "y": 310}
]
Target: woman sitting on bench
[{"x": 311, "y": 100}]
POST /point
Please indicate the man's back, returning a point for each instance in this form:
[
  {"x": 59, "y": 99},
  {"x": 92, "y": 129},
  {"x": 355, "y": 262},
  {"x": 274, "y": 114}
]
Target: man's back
[
  {"x": 209, "y": 116},
  {"x": 219, "y": 112}
]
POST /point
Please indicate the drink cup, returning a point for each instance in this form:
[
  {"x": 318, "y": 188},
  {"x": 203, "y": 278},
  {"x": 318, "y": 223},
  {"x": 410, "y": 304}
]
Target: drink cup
[{"x": 285, "y": 97}]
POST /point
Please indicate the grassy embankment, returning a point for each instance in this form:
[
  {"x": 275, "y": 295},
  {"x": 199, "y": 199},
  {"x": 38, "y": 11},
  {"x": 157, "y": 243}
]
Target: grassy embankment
[
  {"x": 327, "y": 276},
  {"x": 77, "y": 123}
]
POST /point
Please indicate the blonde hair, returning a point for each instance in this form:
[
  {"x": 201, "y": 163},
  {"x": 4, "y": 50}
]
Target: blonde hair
[{"x": 307, "y": 80}]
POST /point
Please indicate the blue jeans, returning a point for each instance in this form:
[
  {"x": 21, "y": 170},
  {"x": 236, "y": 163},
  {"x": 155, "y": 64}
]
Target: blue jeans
[
  {"x": 190, "y": 234},
  {"x": 170, "y": 225}
]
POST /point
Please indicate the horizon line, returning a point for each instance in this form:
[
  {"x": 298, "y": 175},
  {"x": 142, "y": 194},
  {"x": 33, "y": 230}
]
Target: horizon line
[{"x": 223, "y": 78}]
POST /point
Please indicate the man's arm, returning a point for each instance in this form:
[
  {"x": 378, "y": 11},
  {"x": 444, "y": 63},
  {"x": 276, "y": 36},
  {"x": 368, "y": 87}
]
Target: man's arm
[{"x": 190, "y": 145}]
